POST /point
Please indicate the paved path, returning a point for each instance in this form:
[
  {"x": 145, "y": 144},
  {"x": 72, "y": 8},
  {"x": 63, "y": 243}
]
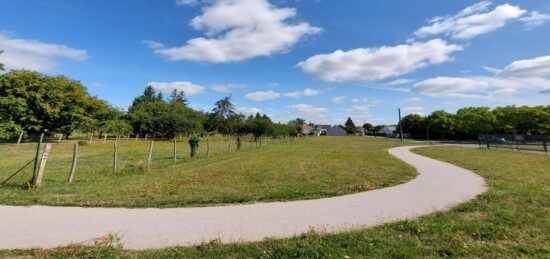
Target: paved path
[{"x": 438, "y": 187}]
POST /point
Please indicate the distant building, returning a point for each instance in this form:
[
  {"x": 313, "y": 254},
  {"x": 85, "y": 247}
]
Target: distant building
[
  {"x": 389, "y": 131},
  {"x": 307, "y": 129},
  {"x": 337, "y": 131},
  {"x": 360, "y": 131},
  {"x": 321, "y": 129}
]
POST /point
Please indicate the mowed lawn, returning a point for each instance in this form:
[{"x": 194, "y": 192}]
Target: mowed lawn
[
  {"x": 509, "y": 221},
  {"x": 301, "y": 169}
]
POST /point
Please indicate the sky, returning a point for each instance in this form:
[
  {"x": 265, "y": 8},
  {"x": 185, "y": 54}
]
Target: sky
[{"x": 319, "y": 60}]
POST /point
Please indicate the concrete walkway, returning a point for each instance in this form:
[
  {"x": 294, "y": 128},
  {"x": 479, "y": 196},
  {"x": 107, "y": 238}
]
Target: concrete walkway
[{"x": 438, "y": 187}]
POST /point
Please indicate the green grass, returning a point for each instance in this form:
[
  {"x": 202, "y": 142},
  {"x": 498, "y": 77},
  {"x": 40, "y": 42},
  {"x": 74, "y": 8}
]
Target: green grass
[
  {"x": 509, "y": 221},
  {"x": 301, "y": 169}
]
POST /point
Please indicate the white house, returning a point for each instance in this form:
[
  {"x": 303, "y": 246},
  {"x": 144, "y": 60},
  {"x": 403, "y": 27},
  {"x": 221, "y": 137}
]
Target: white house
[{"x": 389, "y": 131}]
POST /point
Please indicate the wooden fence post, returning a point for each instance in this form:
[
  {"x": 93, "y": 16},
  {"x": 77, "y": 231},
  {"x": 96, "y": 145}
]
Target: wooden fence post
[
  {"x": 59, "y": 139},
  {"x": 91, "y": 138},
  {"x": 207, "y": 147},
  {"x": 175, "y": 157},
  {"x": 146, "y": 135},
  {"x": 115, "y": 158},
  {"x": 545, "y": 145},
  {"x": 40, "y": 175},
  {"x": 137, "y": 137},
  {"x": 150, "y": 156},
  {"x": 229, "y": 147},
  {"x": 105, "y": 137},
  {"x": 19, "y": 139},
  {"x": 73, "y": 165}
]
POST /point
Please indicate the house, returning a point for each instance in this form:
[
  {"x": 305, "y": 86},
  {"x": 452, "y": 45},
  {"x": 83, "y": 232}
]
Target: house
[
  {"x": 307, "y": 129},
  {"x": 360, "y": 131},
  {"x": 389, "y": 131},
  {"x": 337, "y": 131},
  {"x": 321, "y": 129}
]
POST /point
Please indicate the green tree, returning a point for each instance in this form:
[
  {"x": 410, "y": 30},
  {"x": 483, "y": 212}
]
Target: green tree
[
  {"x": 476, "y": 120},
  {"x": 414, "y": 125},
  {"x": 349, "y": 126},
  {"x": 36, "y": 102},
  {"x": 222, "y": 114},
  {"x": 368, "y": 128},
  {"x": 442, "y": 123},
  {"x": 118, "y": 127}
]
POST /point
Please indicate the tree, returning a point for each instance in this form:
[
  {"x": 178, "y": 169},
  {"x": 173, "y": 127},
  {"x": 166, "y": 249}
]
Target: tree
[
  {"x": 414, "y": 125},
  {"x": 36, "y": 102},
  {"x": 442, "y": 123},
  {"x": 350, "y": 126},
  {"x": 1, "y": 65},
  {"x": 222, "y": 114},
  {"x": 118, "y": 127},
  {"x": 368, "y": 128},
  {"x": 297, "y": 121},
  {"x": 476, "y": 120}
]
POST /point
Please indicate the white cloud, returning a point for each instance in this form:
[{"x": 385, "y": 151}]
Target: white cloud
[
  {"x": 545, "y": 91},
  {"x": 187, "y": 87},
  {"x": 226, "y": 88},
  {"x": 535, "y": 19},
  {"x": 153, "y": 44},
  {"x": 338, "y": 99},
  {"x": 248, "y": 110},
  {"x": 238, "y": 30},
  {"x": 401, "y": 81},
  {"x": 536, "y": 67},
  {"x": 308, "y": 110},
  {"x": 378, "y": 63},
  {"x": 187, "y": 2},
  {"x": 308, "y": 92},
  {"x": 473, "y": 21},
  {"x": 492, "y": 70},
  {"x": 263, "y": 95},
  {"x": 34, "y": 54},
  {"x": 480, "y": 87},
  {"x": 360, "y": 107},
  {"x": 412, "y": 110}
]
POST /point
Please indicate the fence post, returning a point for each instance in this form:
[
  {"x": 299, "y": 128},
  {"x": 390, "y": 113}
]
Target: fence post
[
  {"x": 221, "y": 145},
  {"x": 105, "y": 137},
  {"x": 175, "y": 157},
  {"x": 146, "y": 135},
  {"x": 150, "y": 156},
  {"x": 229, "y": 147},
  {"x": 115, "y": 158},
  {"x": 36, "y": 158},
  {"x": 545, "y": 145},
  {"x": 19, "y": 139},
  {"x": 38, "y": 179},
  {"x": 73, "y": 165},
  {"x": 91, "y": 138},
  {"x": 59, "y": 139},
  {"x": 137, "y": 137},
  {"x": 207, "y": 147}
]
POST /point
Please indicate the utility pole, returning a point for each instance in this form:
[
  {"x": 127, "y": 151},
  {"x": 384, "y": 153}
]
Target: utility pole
[{"x": 400, "y": 124}]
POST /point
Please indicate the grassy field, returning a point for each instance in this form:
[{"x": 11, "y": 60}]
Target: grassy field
[
  {"x": 509, "y": 221},
  {"x": 300, "y": 169}
]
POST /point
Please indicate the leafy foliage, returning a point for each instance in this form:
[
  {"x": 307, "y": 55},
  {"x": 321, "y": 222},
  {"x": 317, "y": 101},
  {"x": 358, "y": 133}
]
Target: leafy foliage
[{"x": 350, "y": 126}]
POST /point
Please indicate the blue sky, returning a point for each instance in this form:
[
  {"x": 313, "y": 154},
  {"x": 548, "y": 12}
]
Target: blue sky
[{"x": 320, "y": 60}]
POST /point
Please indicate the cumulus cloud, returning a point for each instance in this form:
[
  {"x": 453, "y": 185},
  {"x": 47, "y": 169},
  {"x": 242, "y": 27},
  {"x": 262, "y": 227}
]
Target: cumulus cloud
[
  {"x": 413, "y": 99},
  {"x": 263, "y": 95},
  {"x": 226, "y": 88},
  {"x": 471, "y": 22},
  {"x": 248, "y": 110},
  {"x": 34, "y": 54},
  {"x": 368, "y": 64},
  {"x": 412, "y": 110},
  {"x": 237, "y": 30},
  {"x": 536, "y": 67},
  {"x": 308, "y": 92},
  {"x": 535, "y": 19},
  {"x": 308, "y": 110},
  {"x": 187, "y": 87},
  {"x": 401, "y": 81},
  {"x": 337, "y": 99}
]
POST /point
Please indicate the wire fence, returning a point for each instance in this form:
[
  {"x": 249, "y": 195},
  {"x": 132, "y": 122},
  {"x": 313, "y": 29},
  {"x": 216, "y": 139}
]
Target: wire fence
[
  {"x": 534, "y": 143},
  {"x": 112, "y": 155}
]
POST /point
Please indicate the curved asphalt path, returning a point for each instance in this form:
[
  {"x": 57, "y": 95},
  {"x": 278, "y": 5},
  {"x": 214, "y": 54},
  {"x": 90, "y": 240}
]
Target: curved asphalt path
[{"x": 438, "y": 187}]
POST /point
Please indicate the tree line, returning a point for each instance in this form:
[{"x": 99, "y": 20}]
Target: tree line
[
  {"x": 469, "y": 122},
  {"x": 35, "y": 103}
]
